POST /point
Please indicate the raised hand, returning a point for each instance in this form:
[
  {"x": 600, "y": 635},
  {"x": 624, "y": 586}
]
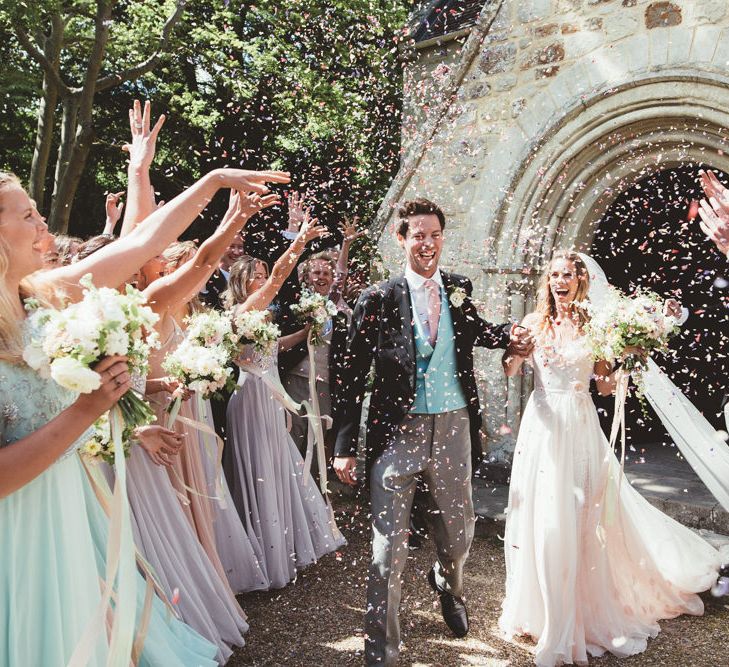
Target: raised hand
[
  {"x": 245, "y": 180},
  {"x": 297, "y": 211},
  {"x": 113, "y": 211},
  {"x": 144, "y": 141},
  {"x": 715, "y": 223},
  {"x": 160, "y": 443},
  {"x": 310, "y": 229},
  {"x": 713, "y": 187},
  {"x": 349, "y": 231},
  {"x": 242, "y": 207}
]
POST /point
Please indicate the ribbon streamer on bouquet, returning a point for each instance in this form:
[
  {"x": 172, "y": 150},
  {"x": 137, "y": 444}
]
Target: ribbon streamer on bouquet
[
  {"x": 216, "y": 459},
  {"x": 315, "y": 432},
  {"x": 104, "y": 495},
  {"x": 120, "y": 567},
  {"x": 316, "y": 421},
  {"x": 611, "y": 495}
]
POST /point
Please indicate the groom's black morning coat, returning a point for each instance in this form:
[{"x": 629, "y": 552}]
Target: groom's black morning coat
[{"x": 382, "y": 329}]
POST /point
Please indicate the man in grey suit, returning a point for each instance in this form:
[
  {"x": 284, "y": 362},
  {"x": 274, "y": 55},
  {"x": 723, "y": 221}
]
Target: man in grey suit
[{"x": 420, "y": 329}]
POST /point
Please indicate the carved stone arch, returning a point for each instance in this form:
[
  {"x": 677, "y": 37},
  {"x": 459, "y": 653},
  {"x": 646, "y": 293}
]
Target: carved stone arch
[{"x": 597, "y": 150}]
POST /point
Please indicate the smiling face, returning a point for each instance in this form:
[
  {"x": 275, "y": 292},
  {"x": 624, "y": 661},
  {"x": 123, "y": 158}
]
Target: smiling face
[
  {"x": 320, "y": 276},
  {"x": 564, "y": 281},
  {"x": 257, "y": 278},
  {"x": 423, "y": 243},
  {"x": 234, "y": 252},
  {"x": 23, "y": 232}
]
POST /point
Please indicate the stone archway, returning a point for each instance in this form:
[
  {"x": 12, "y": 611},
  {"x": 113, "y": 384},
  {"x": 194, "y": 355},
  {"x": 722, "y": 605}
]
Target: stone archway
[{"x": 566, "y": 182}]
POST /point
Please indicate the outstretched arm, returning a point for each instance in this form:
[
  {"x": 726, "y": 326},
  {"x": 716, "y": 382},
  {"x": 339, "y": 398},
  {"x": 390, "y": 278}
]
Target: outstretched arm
[
  {"x": 116, "y": 262},
  {"x": 349, "y": 235},
  {"x": 181, "y": 285},
  {"x": 284, "y": 265},
  {"x": 140, "y": 200}
]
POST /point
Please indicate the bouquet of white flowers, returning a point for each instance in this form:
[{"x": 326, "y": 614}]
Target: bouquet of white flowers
[
  {"x": 66, "y": 343},
  {"x": 211, "y": 328},
  {"x": 254, "y": 327},
  {"x": 199, "y": 368},
  {"x": 101, "y": 443},
  {"x": 315, "y": 309},
  {"x": 623, "y": 322}
]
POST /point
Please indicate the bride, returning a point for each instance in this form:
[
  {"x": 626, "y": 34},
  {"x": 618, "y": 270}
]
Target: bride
[{"x": 591, "y": 567}]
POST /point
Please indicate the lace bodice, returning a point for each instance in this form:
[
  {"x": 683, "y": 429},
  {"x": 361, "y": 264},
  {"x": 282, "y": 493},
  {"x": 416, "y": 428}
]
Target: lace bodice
[
  {"x": 564, "y": 366},
  {"x": 256, "y": 362},
  {"x": 28, "y": 402}
]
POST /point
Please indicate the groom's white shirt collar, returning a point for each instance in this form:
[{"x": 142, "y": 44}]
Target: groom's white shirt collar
[{"x": 416, "y": 281}]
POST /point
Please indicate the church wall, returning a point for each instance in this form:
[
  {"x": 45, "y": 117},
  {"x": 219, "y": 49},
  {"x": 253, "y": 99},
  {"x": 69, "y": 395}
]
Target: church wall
[{"x": 542, "y": 78}]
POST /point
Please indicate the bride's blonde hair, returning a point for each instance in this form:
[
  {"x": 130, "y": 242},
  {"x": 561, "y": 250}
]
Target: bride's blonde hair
[
  {"x": 546, "y": 309},
  {"x": 11, "y": 337}
]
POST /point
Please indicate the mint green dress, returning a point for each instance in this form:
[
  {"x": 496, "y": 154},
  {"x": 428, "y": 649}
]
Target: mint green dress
[{"x": 52, "y": 544}]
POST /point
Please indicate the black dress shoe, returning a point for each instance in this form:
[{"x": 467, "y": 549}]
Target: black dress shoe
[{"x": 453, "y": 609}]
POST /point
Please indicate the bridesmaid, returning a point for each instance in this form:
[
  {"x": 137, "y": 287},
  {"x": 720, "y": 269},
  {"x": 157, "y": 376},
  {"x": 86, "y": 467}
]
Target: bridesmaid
[
  {"x": 50, "y": 522},
  {"x": 162, "y": 531},
  {"x": 238, "y": 556},
  {"x": 281, "y": 508}
]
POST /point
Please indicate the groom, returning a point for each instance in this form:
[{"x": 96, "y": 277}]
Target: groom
[{"x": 420, "y": 328}]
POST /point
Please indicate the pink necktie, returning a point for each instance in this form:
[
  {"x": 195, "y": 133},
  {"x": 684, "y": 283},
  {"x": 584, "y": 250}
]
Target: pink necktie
[{"x": 433, "y": 309}]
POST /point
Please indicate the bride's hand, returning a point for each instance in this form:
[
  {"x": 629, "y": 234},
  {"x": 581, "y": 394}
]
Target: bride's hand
[
  {"x": 521, "y": 341},
  {"x": 635, "y": 351}
]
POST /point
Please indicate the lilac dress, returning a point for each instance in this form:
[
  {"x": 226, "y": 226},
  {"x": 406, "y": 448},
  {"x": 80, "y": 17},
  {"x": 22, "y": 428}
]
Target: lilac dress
[{"x": 283, "y": 511}]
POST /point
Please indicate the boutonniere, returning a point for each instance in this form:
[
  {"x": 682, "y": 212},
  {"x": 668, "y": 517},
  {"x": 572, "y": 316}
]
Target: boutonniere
[{"x": 457, "y": 296}]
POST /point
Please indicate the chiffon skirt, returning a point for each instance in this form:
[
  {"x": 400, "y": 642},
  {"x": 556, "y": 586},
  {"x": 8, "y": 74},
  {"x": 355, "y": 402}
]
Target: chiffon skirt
[
  {"x": 589, "y": 571},
  {"x": 283, "y": 511},
  {"x": 52, "y": 561},
  {"x": 166, "y": 539},
  {"x": 237, "y": 555}
]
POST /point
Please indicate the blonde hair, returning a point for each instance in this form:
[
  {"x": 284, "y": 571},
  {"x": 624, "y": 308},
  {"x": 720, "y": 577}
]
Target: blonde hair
[
  {"x": 546, "y": 309},
  {"x": 240, "y": 273},
  {"x": 11, "y": 336},
  {"x": 174, "y": 256},
  {"x": 328, "y": 256}
]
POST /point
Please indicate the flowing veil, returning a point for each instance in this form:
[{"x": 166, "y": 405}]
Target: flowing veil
[{"x": 700, "y": 444}]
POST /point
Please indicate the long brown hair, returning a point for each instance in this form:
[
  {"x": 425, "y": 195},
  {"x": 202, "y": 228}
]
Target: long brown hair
[
  {"x": 240, "y": 273},
  {"x": 546, "y": 309}
]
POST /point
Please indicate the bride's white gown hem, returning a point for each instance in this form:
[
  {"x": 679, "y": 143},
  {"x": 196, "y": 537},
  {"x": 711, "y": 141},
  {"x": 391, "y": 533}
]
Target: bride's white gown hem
[{"x": 586, "y": 575}]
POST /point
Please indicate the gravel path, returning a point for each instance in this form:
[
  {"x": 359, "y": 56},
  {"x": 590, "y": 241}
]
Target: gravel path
[{"x": 317, "y": 620}]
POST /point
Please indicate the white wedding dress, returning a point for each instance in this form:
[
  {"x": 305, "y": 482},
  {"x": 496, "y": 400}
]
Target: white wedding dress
[{"x": 588, "y": 571}]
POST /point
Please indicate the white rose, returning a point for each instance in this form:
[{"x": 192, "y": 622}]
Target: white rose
[
  {"x": 457, "y": 298},
  {"x": 36, "y": 358},
  {"x": 72, "y": 374}
]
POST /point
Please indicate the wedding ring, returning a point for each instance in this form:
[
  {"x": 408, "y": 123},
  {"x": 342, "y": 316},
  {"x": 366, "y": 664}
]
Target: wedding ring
[{"x": 139, "y": 126}]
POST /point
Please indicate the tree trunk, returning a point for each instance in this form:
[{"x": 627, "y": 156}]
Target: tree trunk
[
  {"x": 46, "y": 115},
  {"x": 73, "y": 160},
  {"x": 65, "y": 148}
]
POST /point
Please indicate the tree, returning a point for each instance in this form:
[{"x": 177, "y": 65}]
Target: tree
[
  {"x": 310, "y": 86},
  {"x": 70, "y": 43}
]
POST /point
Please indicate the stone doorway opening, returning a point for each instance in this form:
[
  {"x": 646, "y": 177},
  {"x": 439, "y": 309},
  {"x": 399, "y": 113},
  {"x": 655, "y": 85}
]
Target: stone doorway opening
[{"x": 648, "y": 237}]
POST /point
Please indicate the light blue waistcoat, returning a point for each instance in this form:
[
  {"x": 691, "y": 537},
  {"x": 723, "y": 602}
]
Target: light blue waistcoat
[{"x": 437, "y": 388}]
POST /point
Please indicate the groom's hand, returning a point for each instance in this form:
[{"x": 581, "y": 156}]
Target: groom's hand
[
  {"x": 345, "y": 467},
  {"x": 521, "y": 342}
]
